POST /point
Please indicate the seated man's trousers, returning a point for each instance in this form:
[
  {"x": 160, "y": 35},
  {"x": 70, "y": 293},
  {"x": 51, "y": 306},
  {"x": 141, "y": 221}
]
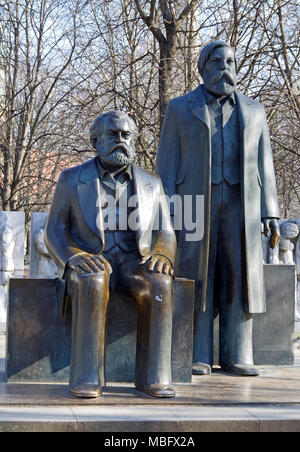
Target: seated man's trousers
[{"x": 89, "y": 294}]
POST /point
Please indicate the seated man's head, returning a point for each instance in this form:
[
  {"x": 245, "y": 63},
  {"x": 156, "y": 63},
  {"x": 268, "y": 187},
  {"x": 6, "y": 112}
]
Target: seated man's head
[
  {"x": 114, "y": 135},
  {"x": 217, "y": 66}
]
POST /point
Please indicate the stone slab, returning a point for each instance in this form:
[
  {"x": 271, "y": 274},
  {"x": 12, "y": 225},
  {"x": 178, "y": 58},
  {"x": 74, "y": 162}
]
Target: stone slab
[
  {"x": 12, "y": 230},
  {"x": 16, "y": 221},
  {"x": 273, "y": 331},
  {"x": 144, "y": 420},
  {"x": 276, "y": 385},
  {"x": 38, "y": 221},
  {"x": 41, "y": 266},
  {"x": 38, "y": 342},
  {"x": 214, "y": 403}
]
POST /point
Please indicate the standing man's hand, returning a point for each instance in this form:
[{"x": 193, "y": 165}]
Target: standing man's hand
[{"x": 271, "y": 230}]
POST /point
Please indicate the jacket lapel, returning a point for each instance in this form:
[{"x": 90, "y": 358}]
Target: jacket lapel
[
  {"x": 89, "y": 195},
  {"x": 246, "y": 116},
  {"x": 144, "y": 192},
  {"x": 245, "y": 112},
  {"x": 197, "y": 103},
  {"x": 88, "y": 190}
]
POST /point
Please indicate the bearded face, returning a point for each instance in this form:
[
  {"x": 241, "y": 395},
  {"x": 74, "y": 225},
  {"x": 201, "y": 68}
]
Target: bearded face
[
  {"x": 116, "y": 145},
  {"x": 119, "y": 155},
  {"x": 219, "y": 74}
]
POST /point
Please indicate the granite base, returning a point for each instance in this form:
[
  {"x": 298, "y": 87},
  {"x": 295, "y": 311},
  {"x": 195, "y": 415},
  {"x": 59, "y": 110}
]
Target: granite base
[
  {"x": 273, "y": 331},
  {"x": 38, "y": 337}
]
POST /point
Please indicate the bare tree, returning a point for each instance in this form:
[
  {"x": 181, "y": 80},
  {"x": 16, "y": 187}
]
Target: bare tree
[
  {"x": 66, "y": 62},
  {"x": 164, "y": 20},
  {"x": 39, "y": 48}
]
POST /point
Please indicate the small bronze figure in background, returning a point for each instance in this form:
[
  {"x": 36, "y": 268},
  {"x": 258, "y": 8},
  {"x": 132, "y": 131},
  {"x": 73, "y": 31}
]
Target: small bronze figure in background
[
  {"x": 90, "y": 237},
  {"x": 215, "y": 142}
]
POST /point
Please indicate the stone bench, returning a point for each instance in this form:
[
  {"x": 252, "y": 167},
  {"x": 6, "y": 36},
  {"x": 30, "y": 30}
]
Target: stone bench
[{"x": 38, "y": 338}]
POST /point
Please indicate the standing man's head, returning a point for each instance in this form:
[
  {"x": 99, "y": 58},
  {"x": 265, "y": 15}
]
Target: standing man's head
[
  {"x": 114, "y": 135},
  {"x": 217, "y": 67}
]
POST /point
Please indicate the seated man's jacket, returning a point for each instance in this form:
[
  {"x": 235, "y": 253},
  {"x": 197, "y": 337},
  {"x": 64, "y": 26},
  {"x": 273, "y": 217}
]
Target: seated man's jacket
[{"x": 75, "y": 223}]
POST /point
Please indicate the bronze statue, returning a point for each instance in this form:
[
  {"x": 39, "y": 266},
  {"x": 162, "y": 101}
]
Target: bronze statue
[
  {"x": 104, "y": 246},
  {"x": 215, "y": 142}
]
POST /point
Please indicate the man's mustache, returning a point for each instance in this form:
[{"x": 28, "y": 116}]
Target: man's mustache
[
  {"x": 119, "y": 147},
  {"x": 226, "y": 76}
]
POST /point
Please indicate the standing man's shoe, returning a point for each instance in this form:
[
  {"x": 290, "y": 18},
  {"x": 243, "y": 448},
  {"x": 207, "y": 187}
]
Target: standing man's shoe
[
  {"x": 158, "y": 390},
  {"x": 86, "y": 391},
  {"x": 242, "y": 370},
  {"x": 201, "y": 369}
]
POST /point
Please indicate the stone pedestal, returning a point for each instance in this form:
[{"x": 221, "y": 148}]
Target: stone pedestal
[
  {"x": 297, "y": 254},
  {"x": 12, "y": 232},
  {"x": 287, "y": 251},
  {"x": 273, "y": 331},
  {"x": 38, "y": 342}
]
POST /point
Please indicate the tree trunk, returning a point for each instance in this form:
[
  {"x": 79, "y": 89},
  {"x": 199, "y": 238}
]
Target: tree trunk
[{"x": 165, "y": 74}]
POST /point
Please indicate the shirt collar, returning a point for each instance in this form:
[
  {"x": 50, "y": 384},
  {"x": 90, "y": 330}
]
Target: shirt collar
[
  {"x": 210, "y": 98},
  {"x": 103, "y": 172}
]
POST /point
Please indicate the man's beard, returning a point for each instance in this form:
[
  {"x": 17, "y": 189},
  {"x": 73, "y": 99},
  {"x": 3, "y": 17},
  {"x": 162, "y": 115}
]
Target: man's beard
[
  {"x": 119, "y": 156},
  {"x": 223, "y": 84}
]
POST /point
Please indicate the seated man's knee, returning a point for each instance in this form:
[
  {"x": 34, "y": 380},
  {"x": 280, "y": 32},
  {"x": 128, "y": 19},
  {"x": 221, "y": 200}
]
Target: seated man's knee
[
  {"x": 158, "y": 279},
  {"x": 95, "y": 280},
  {"x": 153, "y": 286}
]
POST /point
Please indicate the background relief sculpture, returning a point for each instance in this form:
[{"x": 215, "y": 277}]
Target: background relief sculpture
[
  {"x": 45, "y": 265},
  {"x": 7, "y": 267},
  {"x": 286, "y": 252}
]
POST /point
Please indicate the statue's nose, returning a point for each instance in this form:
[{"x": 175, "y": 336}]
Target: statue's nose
[{"x": 119, "y": 137}]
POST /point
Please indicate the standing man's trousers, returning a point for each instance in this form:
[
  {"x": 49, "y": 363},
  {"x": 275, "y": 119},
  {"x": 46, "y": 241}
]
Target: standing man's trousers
[{"x": 226, "y": 280}]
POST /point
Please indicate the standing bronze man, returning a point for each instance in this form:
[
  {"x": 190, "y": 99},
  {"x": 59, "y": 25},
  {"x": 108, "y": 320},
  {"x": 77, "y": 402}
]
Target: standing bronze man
[
  {"x": 215, "y": 142},
  {"x": 102, "y": 243}
]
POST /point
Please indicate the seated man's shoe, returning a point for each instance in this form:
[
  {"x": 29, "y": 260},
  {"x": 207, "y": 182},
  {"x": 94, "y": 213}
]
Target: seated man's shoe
[
  {"x": 242, "y": 370},
  {"x": 86, "y": 391},
  {"x": 201, "y": 369},
  {"x": 158, "y": 390}
]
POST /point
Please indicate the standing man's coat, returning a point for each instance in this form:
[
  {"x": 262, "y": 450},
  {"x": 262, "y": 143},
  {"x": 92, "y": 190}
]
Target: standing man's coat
[{"x": 184, "y": 164}]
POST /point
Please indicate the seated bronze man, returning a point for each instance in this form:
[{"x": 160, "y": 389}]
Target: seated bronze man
[{"x": 104, "y": 246}]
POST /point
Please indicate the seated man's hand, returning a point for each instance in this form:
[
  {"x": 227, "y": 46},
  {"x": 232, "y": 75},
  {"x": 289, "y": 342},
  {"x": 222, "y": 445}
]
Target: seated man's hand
[
  {"x": 88, "y": 263},
  {"x": 158, "y": 263}
]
